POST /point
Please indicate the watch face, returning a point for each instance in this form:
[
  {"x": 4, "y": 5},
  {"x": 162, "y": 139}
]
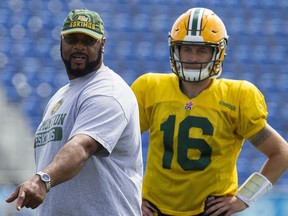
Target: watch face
[{"x": 45, "y": 177}]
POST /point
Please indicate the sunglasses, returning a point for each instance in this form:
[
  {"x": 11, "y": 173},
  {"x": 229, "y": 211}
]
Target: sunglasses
[{"x": 86, "y": 41}]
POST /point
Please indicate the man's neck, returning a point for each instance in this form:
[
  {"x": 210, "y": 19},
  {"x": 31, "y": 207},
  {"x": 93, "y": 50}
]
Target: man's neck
[{"x": 192, "y": 90}]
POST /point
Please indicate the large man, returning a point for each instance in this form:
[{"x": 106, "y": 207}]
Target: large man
[{"x": 88, "y": 145}]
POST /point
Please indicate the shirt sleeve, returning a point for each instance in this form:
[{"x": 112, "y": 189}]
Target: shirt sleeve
[
  {"x": 253, "y": 110},
  {"x": 102, "y": 118}
]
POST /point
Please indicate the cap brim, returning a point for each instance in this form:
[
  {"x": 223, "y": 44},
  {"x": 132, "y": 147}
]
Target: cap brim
[{"x": 82, "y": 31}]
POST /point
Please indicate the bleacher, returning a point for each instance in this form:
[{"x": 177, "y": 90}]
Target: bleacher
[{"x": 136, "y": 31}]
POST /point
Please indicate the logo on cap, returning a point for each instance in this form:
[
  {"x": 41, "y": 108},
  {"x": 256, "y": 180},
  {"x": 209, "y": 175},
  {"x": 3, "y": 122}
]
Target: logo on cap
[
  {"x": 82, "y": 18},
  {"x": 82, "y": 21}
]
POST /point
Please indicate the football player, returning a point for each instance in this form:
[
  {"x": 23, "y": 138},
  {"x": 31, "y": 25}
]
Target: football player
[{"x": 198, "y": 123}]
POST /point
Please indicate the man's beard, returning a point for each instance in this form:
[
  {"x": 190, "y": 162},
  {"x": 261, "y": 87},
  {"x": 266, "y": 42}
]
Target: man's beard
[{"x": 90, "y": 66}]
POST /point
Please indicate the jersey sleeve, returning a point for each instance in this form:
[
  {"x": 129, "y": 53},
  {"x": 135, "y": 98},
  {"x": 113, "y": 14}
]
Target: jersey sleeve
[
  {"x": 253, "y": 110},
  {"x": 140, "y": 87}
]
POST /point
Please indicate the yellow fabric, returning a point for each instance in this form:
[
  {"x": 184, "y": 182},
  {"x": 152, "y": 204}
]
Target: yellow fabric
[{"x": 194, "y": 143}]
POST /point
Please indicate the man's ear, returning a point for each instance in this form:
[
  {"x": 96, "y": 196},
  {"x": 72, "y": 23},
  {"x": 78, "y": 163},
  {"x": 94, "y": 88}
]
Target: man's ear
[{"x": 103, "y": 41}]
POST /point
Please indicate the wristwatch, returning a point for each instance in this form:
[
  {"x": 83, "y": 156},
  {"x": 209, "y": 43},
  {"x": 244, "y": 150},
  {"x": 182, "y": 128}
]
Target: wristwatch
[{"x": 46, "y": 179}]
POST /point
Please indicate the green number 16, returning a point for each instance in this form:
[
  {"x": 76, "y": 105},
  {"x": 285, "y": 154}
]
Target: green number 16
[{"x": 184, "y": 143}]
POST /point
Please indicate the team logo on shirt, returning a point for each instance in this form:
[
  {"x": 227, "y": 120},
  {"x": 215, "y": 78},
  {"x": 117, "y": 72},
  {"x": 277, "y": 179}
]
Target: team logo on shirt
[
  {"x": 188, "y": 105},
  {"x": 56, "y": 107}
]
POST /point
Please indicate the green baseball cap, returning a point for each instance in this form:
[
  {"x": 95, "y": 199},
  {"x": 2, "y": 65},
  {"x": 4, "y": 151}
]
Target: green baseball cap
[{"x": 83, "y": 21}]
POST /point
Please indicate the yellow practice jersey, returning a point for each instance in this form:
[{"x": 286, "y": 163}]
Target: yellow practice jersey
[{"x": 194, "y": 143}]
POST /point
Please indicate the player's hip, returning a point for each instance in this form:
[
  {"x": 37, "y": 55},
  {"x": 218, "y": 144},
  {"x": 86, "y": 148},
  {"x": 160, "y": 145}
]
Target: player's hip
[{"x": 159, "y": 213}]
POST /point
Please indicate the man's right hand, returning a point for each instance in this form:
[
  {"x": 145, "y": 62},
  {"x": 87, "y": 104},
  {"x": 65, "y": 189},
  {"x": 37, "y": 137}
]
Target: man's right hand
[
  {"x": 147, "y": 209},
  {"x": 29, "y": 194}
]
